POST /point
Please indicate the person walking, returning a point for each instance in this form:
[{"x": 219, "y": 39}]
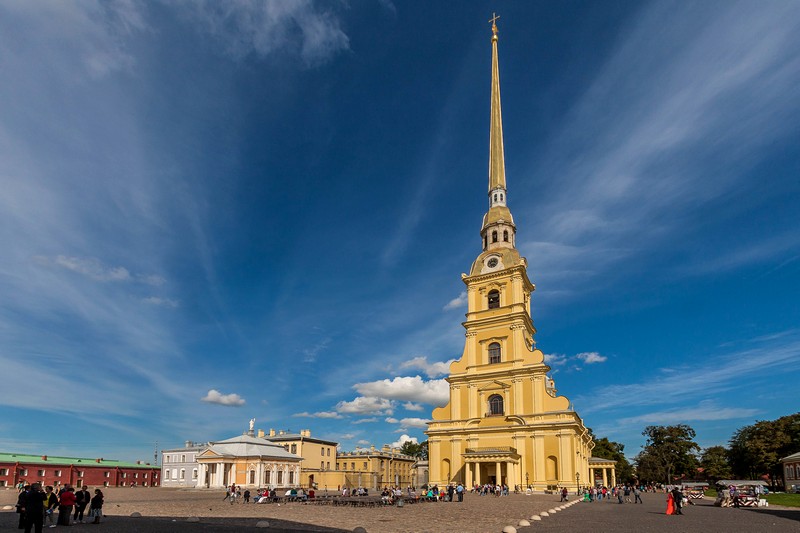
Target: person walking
[
  {"x": 677, "y": 497},
  {"x": 637, "y": 495},
  {"x": 460, "y": 491}
]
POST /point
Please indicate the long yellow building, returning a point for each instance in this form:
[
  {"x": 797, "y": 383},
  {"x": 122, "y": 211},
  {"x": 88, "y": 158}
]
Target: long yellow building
[{"x": 504, "y": 422}]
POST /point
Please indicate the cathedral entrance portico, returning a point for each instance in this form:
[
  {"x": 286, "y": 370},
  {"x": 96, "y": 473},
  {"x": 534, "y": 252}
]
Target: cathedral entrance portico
[{"x": 491, "y": 465}]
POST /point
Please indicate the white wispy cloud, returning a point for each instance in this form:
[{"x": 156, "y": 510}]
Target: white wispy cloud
[
  {"x": 455, "y": 303},
  {"x": 726, "y": 71},
  {"x": 162, "y": 302},
  {"x": 433, "y": 392},
  {"x": 411, "y": 406},
  {"x": 365, "y": 420},
  {"x": 705, "y": 410},
  {"x": 431, "y": 370},
  {"x": 231, "y": 400},
  {"x": 713, "y": 375},
  {"x": 308, "y": 29},
  {"x": 319, "y": 414}
]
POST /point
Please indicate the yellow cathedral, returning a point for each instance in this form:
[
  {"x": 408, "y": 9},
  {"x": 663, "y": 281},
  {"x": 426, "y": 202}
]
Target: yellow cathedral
[{"x": 504, "y": 422}]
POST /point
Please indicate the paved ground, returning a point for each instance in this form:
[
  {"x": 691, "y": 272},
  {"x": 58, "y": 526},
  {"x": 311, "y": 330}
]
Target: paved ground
[{"x": 167, "y": 510}]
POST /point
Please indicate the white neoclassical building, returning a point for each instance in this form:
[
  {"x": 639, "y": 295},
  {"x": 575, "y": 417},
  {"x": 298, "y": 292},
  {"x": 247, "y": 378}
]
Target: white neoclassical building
[{"x": 247, "y": 461}]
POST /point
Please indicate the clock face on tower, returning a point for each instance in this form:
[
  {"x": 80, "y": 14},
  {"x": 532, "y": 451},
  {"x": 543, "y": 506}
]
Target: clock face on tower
[{"x": 491, "y": 263}]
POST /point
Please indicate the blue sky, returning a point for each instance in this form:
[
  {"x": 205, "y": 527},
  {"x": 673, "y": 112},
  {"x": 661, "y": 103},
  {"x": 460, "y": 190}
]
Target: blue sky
[{"x": 262, "y": 210}]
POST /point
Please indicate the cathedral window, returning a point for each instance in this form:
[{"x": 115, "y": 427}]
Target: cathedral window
[
  {"x": 495, "y": 197},
  {"x": 494, "y": 236},
  {"x": 294, "y": 448},
  {"x": 494, "y": 353},
  {"x": 505, "y": 235},
  {"x": 501, "y": 197},
  {"x": 495, "y": 404},
  {"x": 494, "y": 299}
]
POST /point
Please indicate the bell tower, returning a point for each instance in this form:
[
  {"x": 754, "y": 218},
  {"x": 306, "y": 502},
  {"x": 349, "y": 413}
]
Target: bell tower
[{"x": 504, "y": 422}]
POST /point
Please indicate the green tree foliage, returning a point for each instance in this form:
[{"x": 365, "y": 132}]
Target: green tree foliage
[
  {"x": 757, "y": 450},
  {"x": 414, "y": 449},
  {"x": 668, "y": 453},
  {"x": 613, "y": 450},
  {"x": 716, "y": 464}
]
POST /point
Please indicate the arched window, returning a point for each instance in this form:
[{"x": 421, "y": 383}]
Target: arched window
[
  {"x": 495, "y": 197},
  {"x": 494, "y": 353},
  {"x": 294, "y": 448},
  {"x": 485, "y": 241},
  {"x": 501, "y": 197},
  {"x": 495, "y": 404},
  {"x": 505, "y": 235},
  {"x": 494, "y": 236},
  {"x": 494, "y": 299}
]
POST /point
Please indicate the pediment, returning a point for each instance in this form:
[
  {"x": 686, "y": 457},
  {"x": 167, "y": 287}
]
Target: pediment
[
  {"x": 208, "y": 452},
  {"x": 494, "y": 386}
]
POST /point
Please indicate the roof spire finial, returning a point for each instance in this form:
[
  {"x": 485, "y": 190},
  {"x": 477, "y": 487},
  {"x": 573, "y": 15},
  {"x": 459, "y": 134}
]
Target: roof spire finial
[{"x": 493, "y": 20}]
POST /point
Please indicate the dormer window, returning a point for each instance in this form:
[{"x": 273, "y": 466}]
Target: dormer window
[
  {"x": 495, "y": 197},
  {"x": 494, "y": 353},
  {"x": 494, "y": 299}
]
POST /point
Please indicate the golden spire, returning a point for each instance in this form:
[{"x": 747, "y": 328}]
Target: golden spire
[{"x": 497, "y": 166}]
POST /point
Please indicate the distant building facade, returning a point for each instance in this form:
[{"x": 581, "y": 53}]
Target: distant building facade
[
  {"x": 247, "y": 461},
  {"x": 78, "y": 472},
  {"x": 791, "y": 472},
  {"x": 374, "y": 469},
  {"x": 179, "y": 466},
  {"x": 319, "y": 455}
]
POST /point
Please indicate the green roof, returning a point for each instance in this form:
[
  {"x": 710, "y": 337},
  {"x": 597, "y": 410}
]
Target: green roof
[{"x": 29, "y": 459}]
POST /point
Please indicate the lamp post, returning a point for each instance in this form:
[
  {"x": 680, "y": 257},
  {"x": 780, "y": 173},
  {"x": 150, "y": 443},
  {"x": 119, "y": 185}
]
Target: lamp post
[
  {"x": 578, "y": 483},
  {"x": 526, "y": 481}
]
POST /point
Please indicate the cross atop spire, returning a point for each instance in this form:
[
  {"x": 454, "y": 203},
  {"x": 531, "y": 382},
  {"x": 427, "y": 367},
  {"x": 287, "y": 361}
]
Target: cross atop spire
[{"x": 493, "y": 20}]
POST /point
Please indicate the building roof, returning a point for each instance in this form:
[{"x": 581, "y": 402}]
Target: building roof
[
  {"x": 53, "y": 460},
  {"x": 793, "y": 457},
  {"x": 249, "y": 446},
  {"x": 742, "y": 482},
  {"x": 595, "y": 460},
  {"x": 286, "y": 437}
]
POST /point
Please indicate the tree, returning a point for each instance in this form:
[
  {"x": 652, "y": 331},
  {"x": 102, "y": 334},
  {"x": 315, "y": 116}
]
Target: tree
[
  {"x": 668, "y": 452},
  {"x": 613, "y": 450},
  {"x": 716, "y": 463},
  {"x": 418, "y": 450},
  {"x": 757, "y": 450}
]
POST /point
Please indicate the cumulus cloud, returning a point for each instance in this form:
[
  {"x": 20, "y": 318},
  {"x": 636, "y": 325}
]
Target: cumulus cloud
[
  {"x": 433, "y": 392},
  {"x": 457, "y": 302},
  {"x": 366, "y": 405},
  {"x": 411, "y": 406},
  {"x": 402, "y": 440},
  {"x": 431, "y": 370},
  {"x": 409, "y": 422},
  {"x": 555, "y": 359},
  {"x": 319, "y": 414},
  {"x": 590, "y": 358},
  {"x": 232, "y": 400}
]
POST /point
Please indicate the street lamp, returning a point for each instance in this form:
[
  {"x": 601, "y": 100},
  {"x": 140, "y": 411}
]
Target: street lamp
[
  {"x": 526, "y": 481},
  {"x": 578, "y": 483}
]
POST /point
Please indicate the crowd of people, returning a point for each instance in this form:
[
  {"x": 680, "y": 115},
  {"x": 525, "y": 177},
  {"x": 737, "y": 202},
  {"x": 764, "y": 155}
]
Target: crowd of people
[
  {"x": 36, "y": 507},
  {"x": 621, "y": 493}
]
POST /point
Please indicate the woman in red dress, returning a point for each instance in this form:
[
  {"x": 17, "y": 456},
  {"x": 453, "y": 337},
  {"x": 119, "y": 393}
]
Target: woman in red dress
[{"x": 670, "y": 503}]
